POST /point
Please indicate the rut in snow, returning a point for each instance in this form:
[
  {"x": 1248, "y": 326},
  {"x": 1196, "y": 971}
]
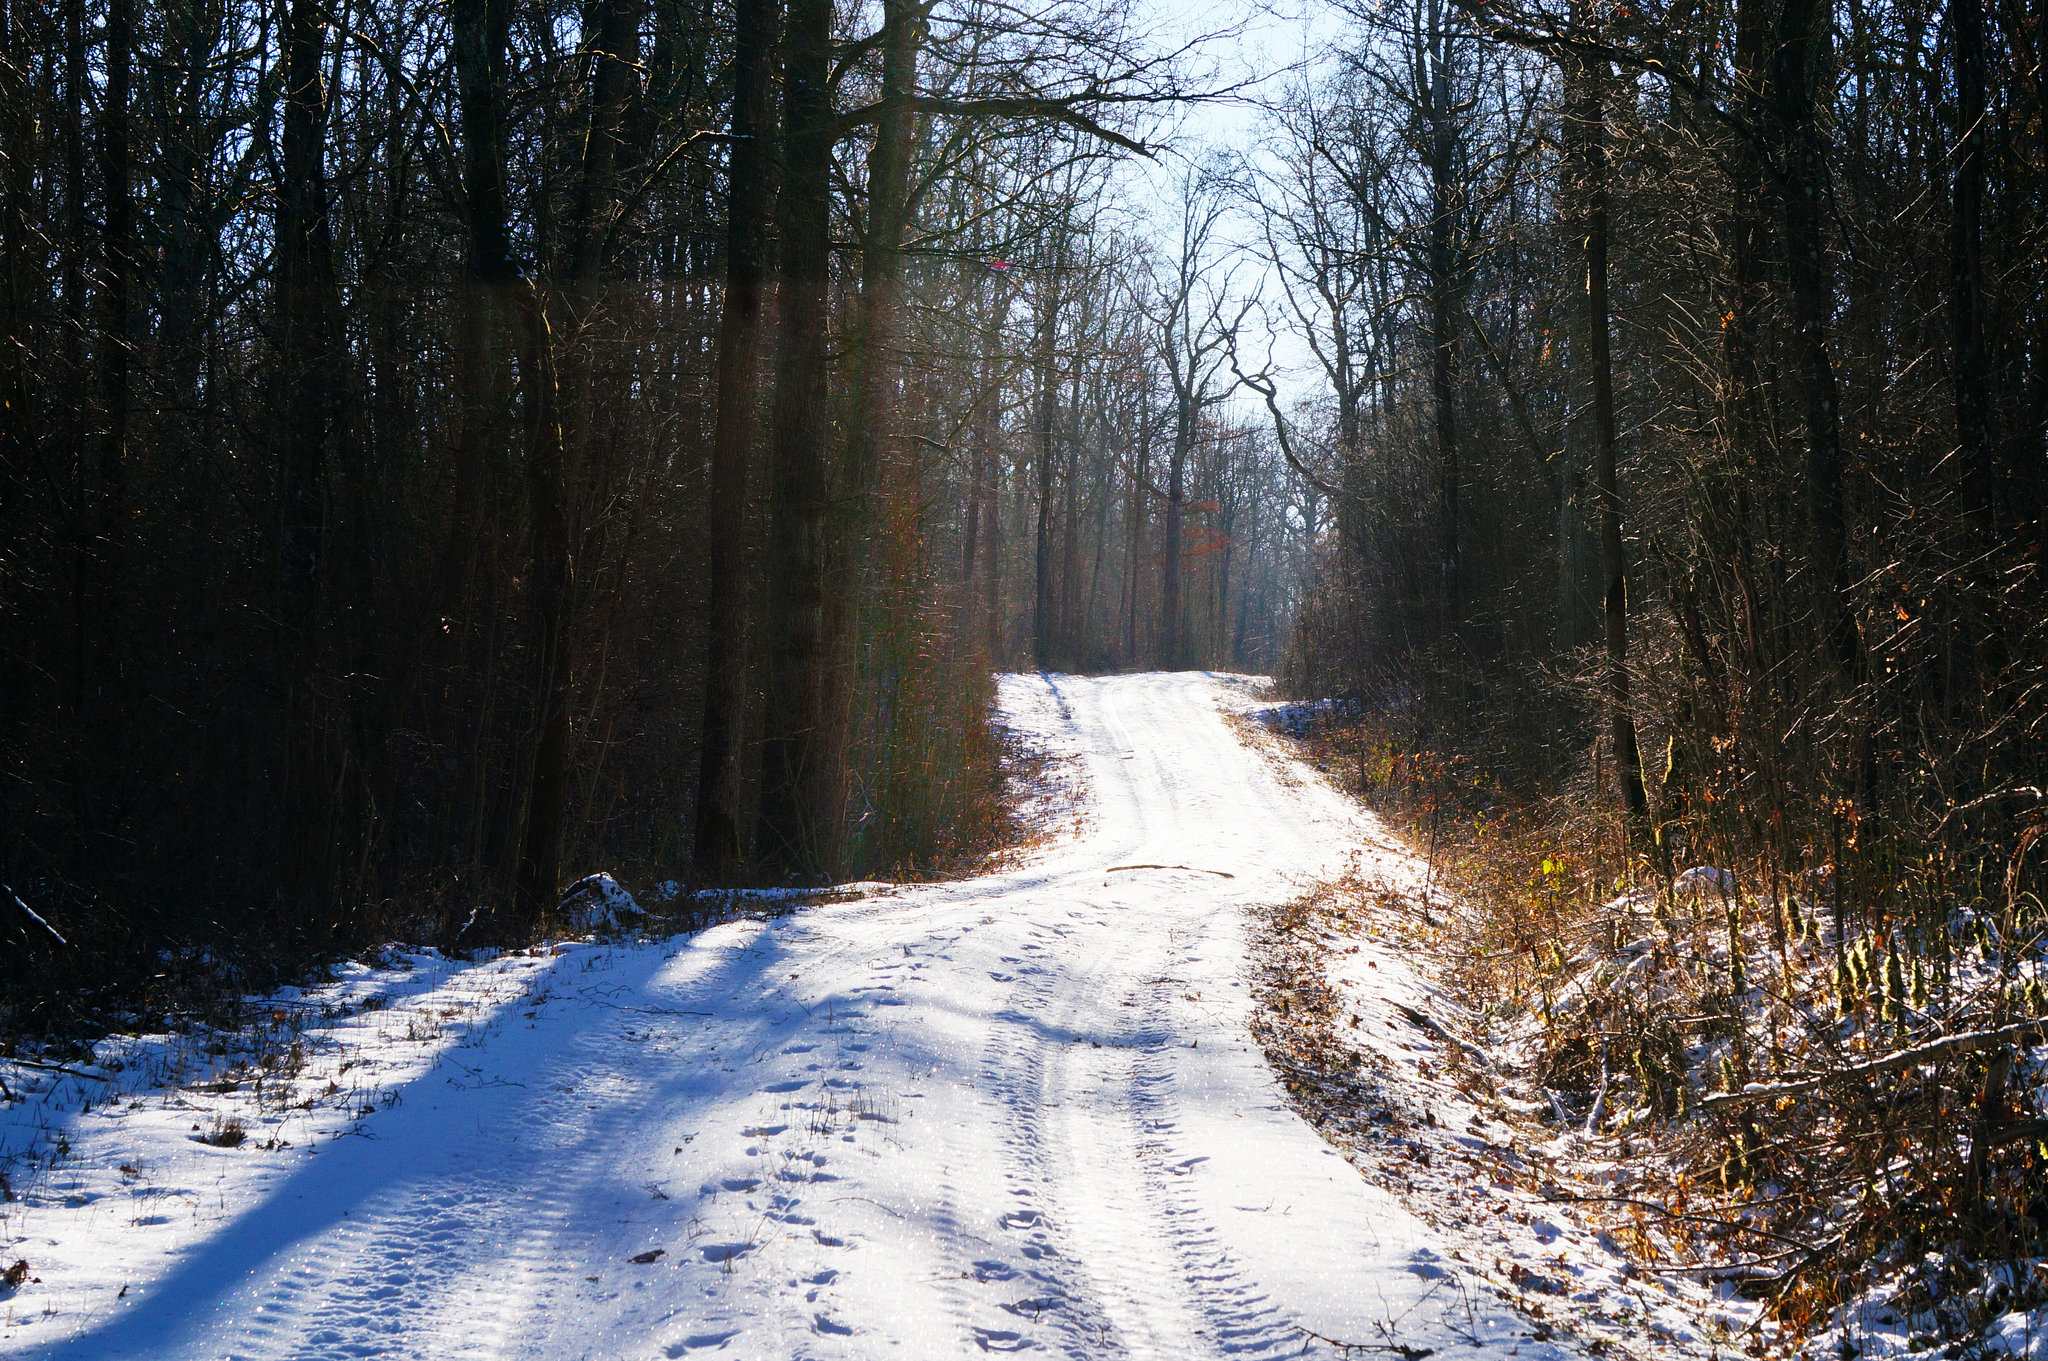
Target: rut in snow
[{"x": 1015, "y": 1113}]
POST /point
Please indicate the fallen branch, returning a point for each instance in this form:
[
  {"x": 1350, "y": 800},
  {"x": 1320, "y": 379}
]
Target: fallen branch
[
  {"x": 56, "y": 1068},
  {"x": 2012, "y": 1134},
  {"x": 1733, "y": 1225},
  {"x": 1905, "y": 1058},
  {"x": 35, "y": 916},
  {"x": 1191, "y": 869},
  {"x": 1399, "y": 1349}
]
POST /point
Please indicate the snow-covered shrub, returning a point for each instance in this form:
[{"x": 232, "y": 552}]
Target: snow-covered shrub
[{"x": 598, "y": 902}]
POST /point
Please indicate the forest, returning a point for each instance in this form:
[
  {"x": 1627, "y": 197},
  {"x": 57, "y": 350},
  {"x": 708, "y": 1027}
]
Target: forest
[{"x": 451, "y": 450}]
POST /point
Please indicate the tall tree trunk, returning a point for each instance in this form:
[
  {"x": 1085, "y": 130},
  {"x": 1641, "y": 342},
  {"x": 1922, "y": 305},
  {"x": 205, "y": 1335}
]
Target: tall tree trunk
[
  {"x": 1795, "y": 109},
  {"x": 2031, "y": 439},
  {"x": 1350, "y": 514},
  {"x": 872, "y": 413},
  {"x": 482, "y": 57},
  {"x": 1134, "y": 550},
  {"x": 16, "y": 133},
  {"x": 1443, "y": 310},
  {"x": 1966, "y": 263},
  {"x": 993, "y": 548},
  {"x": 77, "y": 400},
  {"x": 1065, "y": 625},
  {"x": 980, "y": 506},
  {"x": 615, "y": 56},
  {"x": 1740, "y": 417},
  {"x": 1586, "y": 128},
  {"x": 549, "y": 404},
  {"x": 1046, "y": 411},
  {"x": 797, "y": 825},
  {"x": 750, "y": 177},
  {"x": 309, "y": 306},
  {"x": 117, "y": 251},
  {"x": 482, "y": 30},
  {"x": 1184, "y": 427},
  {"x": 550, "y": 592}
]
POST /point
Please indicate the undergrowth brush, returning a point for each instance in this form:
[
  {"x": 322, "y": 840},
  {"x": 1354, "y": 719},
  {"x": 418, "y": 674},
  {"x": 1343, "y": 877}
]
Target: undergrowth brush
[
  {"x": 1842, "y": 1071},
  {"x": 998, "y": 796}
]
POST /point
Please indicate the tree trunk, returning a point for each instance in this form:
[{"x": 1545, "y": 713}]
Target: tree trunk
[
  {"x": 482, "y": 56},
  {"x": 481, "y": 32},
  {"x": 77, "y": 400},
  {"x": 547, "y": 404},
  {"x": 980, "y": 506},
  {"x": 1741, "y": 418},
  {"x": 750, "y": 177},
  {"x": 1047, "y": 404},
  {"x": 872, "y": 412},
  {"x": 1134, "y": 552},
  {"x": 798, "y": 826},
  {"x": 1443, "y": 368},
  {"x": 1794, "y": 106},
  {"x": 550, "y": 589},
  {"x": 1586, "y": 128},
  {"x": 16, "y": 129},
  {"x": 309, "y": 306},
  {"x": 1066, "y": 626},
  {"x": 117, "y": 249},
  {"x": 1185, "y": 424},
  {"x": 1966, "y": 265}
]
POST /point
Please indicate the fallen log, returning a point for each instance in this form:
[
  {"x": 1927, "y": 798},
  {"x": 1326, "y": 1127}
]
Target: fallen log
[{"x": 1891, "y": 1063}]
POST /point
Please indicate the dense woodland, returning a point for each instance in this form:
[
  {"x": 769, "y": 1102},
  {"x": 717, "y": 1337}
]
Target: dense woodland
[
  {"x": 1684, "y": 420},
  {"x": 450, "y": 450}
]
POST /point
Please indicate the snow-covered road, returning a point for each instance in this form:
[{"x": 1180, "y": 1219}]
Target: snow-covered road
[{"x": 1020, "y": 1112}]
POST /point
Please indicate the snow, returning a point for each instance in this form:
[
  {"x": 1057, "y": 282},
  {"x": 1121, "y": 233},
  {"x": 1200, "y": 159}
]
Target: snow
[
  {"x": 1021, "y": 1112},
  {"x": 1703, "y": 880},
  {"x": 598, "y": 902},
  {"x": 1391, "y": 1076}
]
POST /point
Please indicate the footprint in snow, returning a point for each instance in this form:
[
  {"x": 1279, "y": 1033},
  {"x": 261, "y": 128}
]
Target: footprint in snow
[
  {"x": 1001, "y": 1340},
  {"x": 698, "y": 1342},
  {"x": 1423, "y": 1263}
]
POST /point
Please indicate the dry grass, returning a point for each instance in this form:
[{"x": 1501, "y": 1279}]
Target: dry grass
[{"x": 1635, "y": 1006}]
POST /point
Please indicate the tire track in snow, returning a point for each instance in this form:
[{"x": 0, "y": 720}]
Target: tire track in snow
[
  {"x": 1026, "y": 1062},
  {"x": 945, "y": 1120}
]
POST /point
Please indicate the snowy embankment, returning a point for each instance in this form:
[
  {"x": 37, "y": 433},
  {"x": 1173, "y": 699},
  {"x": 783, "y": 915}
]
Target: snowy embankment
[{"x": 1023, "y": 1111}]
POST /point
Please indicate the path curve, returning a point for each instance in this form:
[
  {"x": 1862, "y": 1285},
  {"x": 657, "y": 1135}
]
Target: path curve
[{"x": 1018, "y": 1113}]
